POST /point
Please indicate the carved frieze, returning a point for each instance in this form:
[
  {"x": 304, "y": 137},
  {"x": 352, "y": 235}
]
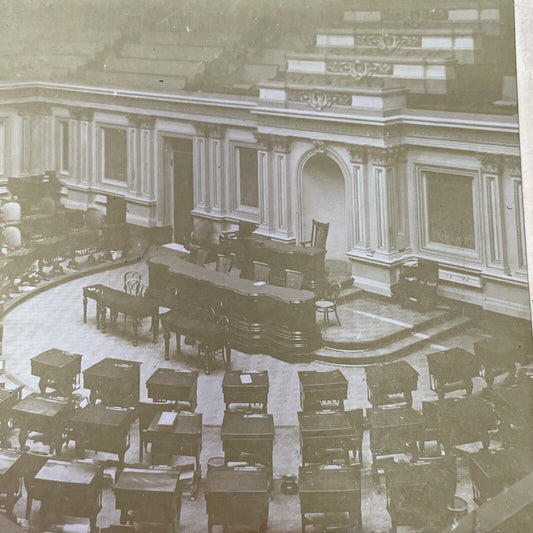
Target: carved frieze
[
  {"x": 491, "y": 162},
  {"x": 387, "y": 42},
  {"x": 359, "y": 68},
  {"x": 419, "y": 16},
  {"x": 358, "y": 154},
  {"x": 82, "y": 113},
  {"x": 33, "y": 109},
  {"x": 142, "y": 121},
  {"x": 263, "y": 141},
  {"x": 387, "y": 156},
  {"x": 318, "y": 100}
]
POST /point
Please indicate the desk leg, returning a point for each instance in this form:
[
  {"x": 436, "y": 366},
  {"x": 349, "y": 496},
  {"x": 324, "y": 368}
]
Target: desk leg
[
  {"x": 408, "y": 398},
  {"x": 166, "y": 337},
  {"x": 469, "y": 386},
  {"x": 29, "y": 502},
  {"x": 103, "y": 312},
  {"x": 178, "y": 341},
  {"x": 135, "y": 330},
  {"x": 155, "y": 328},
  {"x": 43, "y": 385},
  {"x": 85, "y": 309},
  {"x": 228, "y": 356},
  {"x": 23, "y": 437}
]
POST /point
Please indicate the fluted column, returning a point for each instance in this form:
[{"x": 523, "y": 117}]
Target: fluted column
[
  {"x": 266, "y": 211},
  {"x": 82, "y": 149},
  {"x": 216, "y": 168},
  {"x": 283, "y": 219},
  {"x": 200, "y": 152},
  {"x": 358, "y": 198}
]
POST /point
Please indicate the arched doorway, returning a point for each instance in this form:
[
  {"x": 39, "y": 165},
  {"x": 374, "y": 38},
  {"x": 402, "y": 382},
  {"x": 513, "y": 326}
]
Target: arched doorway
[{"x": 323, "y": 199}]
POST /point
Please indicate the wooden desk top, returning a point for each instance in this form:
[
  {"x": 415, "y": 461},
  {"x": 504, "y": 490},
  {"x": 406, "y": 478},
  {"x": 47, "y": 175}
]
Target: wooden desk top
[
  {"x": 56, "y": 358},
  {"x": 194, "y": 326},
  {"x": 494, "y": 463},
  {"x": 470, "y": 407},
  {"x": 518, "y": 397},
  {"x": 100, "y": 415},
  {"x": 186, "y": 424},
  {"x": 158, "y": 481},
  {"x": 247, "y": 425},
  {"x": 237, "y": 480},
  {"x": 330, "y": 478},
  {"x": 282, "y": 247},
  {"x": 232, "y": 378},
  {"x": 6, "y": 396},
  {"x": 453, "y": 361},
  {"x": 496, "y": 345},
  {"x": 324, "y": 424},
  {"x": 393, "y": 417},
  {"x": 322, "y": 380},
  {"x": 72, "y": 473},
  {"x": 7, "y": 460},
  {"x": 170, "y": 377},
  {"x": 35, "y": 404},
  {"x": 381, "y": 374},
  {"x": 112, "y": 368},
  {"x": 139, "y": 305}
]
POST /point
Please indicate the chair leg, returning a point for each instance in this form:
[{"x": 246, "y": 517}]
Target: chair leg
[{"x": 337, "y": 316}]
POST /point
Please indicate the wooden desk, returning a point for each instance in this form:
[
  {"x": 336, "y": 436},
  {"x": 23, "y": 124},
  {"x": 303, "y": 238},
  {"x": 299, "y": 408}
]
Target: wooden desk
[
  {"x": 394, "y": 430},
  {"x": 322, "y": 390},
  {"x": 8, "y": 399},
  {"x": 58, "y": 370},
  {"x": 322, "y": 431},
  {"x": 465, "y": 420},
  {"x": 154, "y": 495},
  {"x": 103, "y": 429},
  {"x": 391, "y": 379},
  {"x": 330, "y": 489},
  {"x": 248, "y": 433},
  {"x": 168, "y": 384},
  {"x": 246, "y": 387},
  {"x": 262, "y": 319},
  {"x": 114, "y": 382},
  {"x": 45, "y": 415},
  {"x": 92, "y": 292},
  {"x": 237, "y": 497},
  {"x": 211, "y": 337},
  {"x": 73, "y": 489},
  {"x": 11, "y": 472},
  {"x": 498, "y": 355},
  {"x": 451, "y": 370}
]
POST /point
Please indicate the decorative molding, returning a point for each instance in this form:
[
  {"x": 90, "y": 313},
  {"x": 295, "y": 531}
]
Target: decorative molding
[
  {"x": 145, "y": 122},
  {"x": 216, "y": 131},
  {"x": 514, "y": 164},
  {"x": 492, "y": 163},
  {"x": 387, "y": 42},
  {"x": 263, "y": 141},
  {"x": 318, "y": 100},
  {"x": 320, "y": 146},
  {"x": 387, "y": 156},
  {"x": 34, "y": 108},
  {"x": 419, "y": 16},
  {"x": 81, "y": 113},
  {"x": 359, "y": 69},
  {"x": 358, "y": 154},
  {"x": 202, "y": 129},
  {"x": 281, "y": 144},
  {"x": 392, "y": 131}
]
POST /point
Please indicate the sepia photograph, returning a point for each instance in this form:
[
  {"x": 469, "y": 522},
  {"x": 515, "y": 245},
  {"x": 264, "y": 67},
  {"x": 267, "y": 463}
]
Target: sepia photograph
[{"x": 263, "y": 266}]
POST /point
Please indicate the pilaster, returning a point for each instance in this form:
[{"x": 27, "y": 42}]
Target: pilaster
[
  {"x": 283, "y": 220},
  {"x": 82, "y": 149},
  {"x": 358, "y": 197},
  {"x": 266, "y": 208},
  {"x": 216, "y": 168},
  {"x": 200, "y": 152}
]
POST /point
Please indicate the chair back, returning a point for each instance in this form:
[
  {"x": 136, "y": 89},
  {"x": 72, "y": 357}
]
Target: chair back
[
  {"x": 134, "y": 286},
  {"x": 148, "y": 410},
  {"x": 11, "y": 212},
  {"x": 131, "y": 275},
  {"x": 294, "y": 279},
  {"x": 12, "y": 237},
  {"x": 201, "y": 256},
  {"x": 334, "y": 290},
  {"x": 319, "y": 234},
  {"x": 224, "y": 263},
  {"x": 261, "y": 271}
]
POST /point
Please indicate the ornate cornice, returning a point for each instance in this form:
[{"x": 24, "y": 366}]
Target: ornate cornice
[
  {"x": 263, "y": 141},
  {"x": 491, "y": 162},
  {"x": 387, "y": 42},
  {"x": 358, "y": 154},
  {"x": 318, "y": 100},
  {"x": 359, "y": 68},
  {"x": 514, "y": 164},
  {"x": 386, "y": 156}
]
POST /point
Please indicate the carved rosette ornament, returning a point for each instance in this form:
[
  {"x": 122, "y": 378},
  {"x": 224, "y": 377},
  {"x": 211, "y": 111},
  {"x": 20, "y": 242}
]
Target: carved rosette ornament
[
  {"x": 358, "y": 154},
  {"x": 359, "y": 68},
  {"x": 514, "y": 164},
  {"x": 319, "y": 100},
  {"x": 281, "y": 144},
  {"x": 387, "y": 156},
  {"x": 492, "y": 163},
  {"x": 263, "y": 141}
]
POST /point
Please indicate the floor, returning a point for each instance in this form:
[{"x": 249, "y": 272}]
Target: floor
[{"x": 54, "y": 319}]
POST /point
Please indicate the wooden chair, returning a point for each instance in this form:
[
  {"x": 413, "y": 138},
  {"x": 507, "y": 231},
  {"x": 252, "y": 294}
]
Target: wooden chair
[
  {"x": 261, "y": 271},
  {"x": 329, "y": 305},
  {"x": 130, "y": 282},
  {"x": 200, "y": 234},
  {"x": 224, "y": 263},
  {"x": 319, "y": 235},
  {"x": 294, "y": 279}
]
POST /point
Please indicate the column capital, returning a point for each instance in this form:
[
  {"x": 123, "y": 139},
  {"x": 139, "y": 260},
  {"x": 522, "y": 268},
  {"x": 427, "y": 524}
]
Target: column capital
[
  {"x": 320, "y": 146},
  {"x": 202, "y": 129},
  {"x": 82, "y": 113},
  {"x": 386, "y": 156},
  {"x": 281, "y": 144},
  {"x": 491, "y": 162},
  {"x": 216, "y": 131},
  {"x": 264, "y": 142},
  {"x": 34, "y": 108},
  {"x": 358, "y": 154},
  {"x": 146, "y": 122},
  {"x": 513, "y": 163}
]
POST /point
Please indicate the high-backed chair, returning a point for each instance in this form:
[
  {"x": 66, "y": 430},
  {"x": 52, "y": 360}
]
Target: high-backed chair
[
  {"x": 12, "y": 237},
  {"x": 329, "y": 304},
  {"x": 224, "y": 263},
  {"x": 132, "y": 282},
  {"x": 294, "y": 279},
  {"x": 261, "y": 271},
  {"x": 319, "y": 235},
  {"x": 11, "y": 212},
  {"x": 199, "y": 237}
]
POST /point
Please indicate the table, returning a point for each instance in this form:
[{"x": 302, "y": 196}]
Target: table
[
  {"x": 451, "y": 370},
  {"x": 394, "y": 430},
  {"x": 498, "y": 355},
  {"x": 281, "y": 256},
  {"x": 11, "y": 472},
  {"x": 46, "y": 415},
  {"x": 322, "y": 390},
  {"x": 173, "y": 385},
  {"x": 92, "y": 292},
  {"x": 249, "y": 434},
  {"x": 114, "y": 382},
  {"x": 58, "y": 370},
  {"x": 211, "y": 336},
  {"x": 322, "y": 431},
  {"x": 262, "y": 319},
  {"x": 492, "y": 470},
  {"x": 68, "y": 488},
  {"x": 391, "y": 379},
  {"x": 7, "y": 400},
  {"x": 153, "y": 494},
  {"x": 237, "y": 497},
  {"x": 104, "y": 429},
  {"x": 246, "y": 387},
  {"x": 330, "y": 489}
]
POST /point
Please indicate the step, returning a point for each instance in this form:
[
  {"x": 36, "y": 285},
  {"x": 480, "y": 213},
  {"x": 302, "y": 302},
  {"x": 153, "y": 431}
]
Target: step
[
  {"x": 128, "y": 80},
  {"x": 171, "y": 52},
  {"x": 350, "y": 293},
  {"x": 254, "y": 74},
  {"x": 159, "y": 67},
  {"x": 193, "y": 38},
  {"x": 396, "y": 349}
]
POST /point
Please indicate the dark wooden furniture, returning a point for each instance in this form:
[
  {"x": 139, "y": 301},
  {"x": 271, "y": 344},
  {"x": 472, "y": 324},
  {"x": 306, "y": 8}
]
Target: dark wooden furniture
[
  {"x": 58, "y": 370},
  {"x": 246, "y": 387},
  {"x": 103, "y": 429},
  {"x": 237, "y": 497},
  {"x": 394, "y": 430},
  {"x": 114, "y": 382},
  {"x": 45, "y": 415},
  {"x": 147, "y": 411},
  {"x": 92, "y": 292},
  {"x": 150, "y": 495},
  {"x": 319, "y": 235},
  {"x": 322, "y": 390},
  {"x": 224, "y": 263},
  {"x": 325, "y": 434},
  {"x": 262, "y": 319},
  {"x": 175, "y": 385},
  {"x": 451, "y": 370},
  {"x": 330, "y": 496},
  {"x": 294, "y": 279},
  {"x": 212, "y": 336},
  {"x": 248, "y": 437},
  {"x": 7, "y": 526},
  {"x": 498, "y": 355},
  {"x": 493, "y": 470},
  {"x": 418, "y": 494},
  {"x": 11, "y": 472},
  {"x": 465, "y": 420},
  {"x": 67, "y": 488},
  {"x": 384, "y": 381},
  {"x": 329, "y": 303},
  {"x": 261, "y": 272},
  {"x": 7, "y": 400},
  {"x": 417, "y": 283}
]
